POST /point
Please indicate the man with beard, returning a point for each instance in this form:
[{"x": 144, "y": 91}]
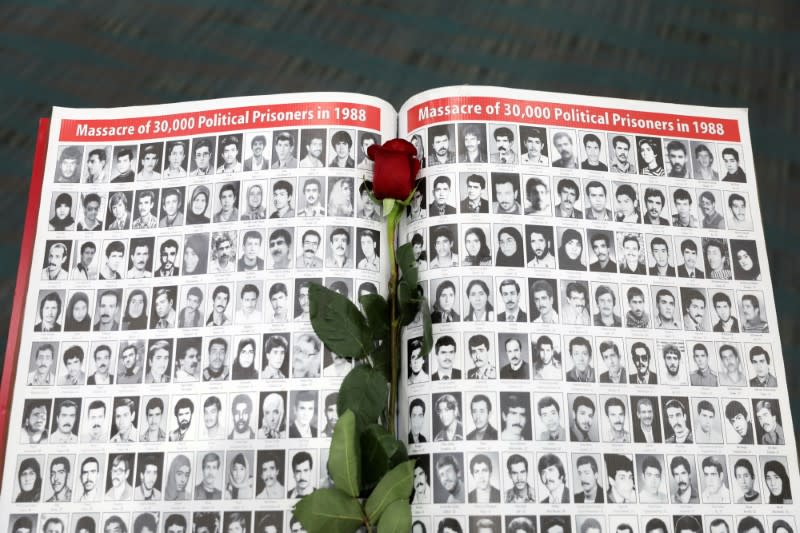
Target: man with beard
[
  {"x": 154, "y": 410},
  {"x": 272, "y": 417},
  {"x": 308, "y": 257},
  {"x": 637, "y": 316},
  {"x": 440, "y": 146},
  {"x": 342, "y": 143},
  {"x": 568, "y": 192},
  {"x": 644, "y": 430},
  {"x": 714, "y": 488},
  {"x": 422, "y": 487},
  {"x": 650, "y": 487},
  {"x": 57, "y": 256},
  {"x": 473, "y": 138},
  {"x": 751, "y": 315},
  {"x": 313, "y": 199},
  {"x": 120, "y": 467},
  {"x": 583, "y": 410},
  {"x": 665, "y": 307},
  {"x": 739, "y": 419},
  {"x": 745, "y": 476},
  {"x": 612, "y": 358},
  {"x": 711, "y": 217},
  {"x": 169, "y": 253},
  {"x": 722, "y": 307},
  {"x": 315, "y": 140},
  {"x": 95, "y": 423},
  {"x": 183, "y": 411},
  {"x": 703, "y": 376},
  {"x": 621, "y": 482},
  {"x": 514, "y": 413},
  {"x": 676, "y": 153},
  {"x": 187, "y": 360},
  {"x": 416, "y": 416},
  {"x": 241, "y": 409},
  {"x": 689, "y": 267},
  {"x": 694, "y": 309},
  {"x": 271, "y": 466},
  {"x": 140, "y": 257},
  {"x": 416, "y": 362},
  {"x": 767, "y": 414},
  {"x": 654, "y": 201},
  {"x": 217, "y": 369},
  {"x": 251, "y": 260},
  {"x": 303, "y": 470},
  {"x": 564, "y": 145},
  {"x": 220, "y": 298},
  {"x": 521, "y": 491},
  {"x": 208, "y": 489},
  {"x": 90, "y": 469},
  {"x": 447, "y": 409},
  {"x": 102, "y": 367},
  {"x": 541, "y": 253},
  {"x": 548, "y": 363},
  {"x": 589, "y": 479},
  {"x": 734, "y": 375},
  {"x": 441, "y": 194},
  {"x": 615, "y": 413},
  {"x": 678, "y": 421},
  {"x": 759, "y": 358},
  {"x": 331, "y": 414},
  {"x": 59, "y": 477},
  {"x": 305, "y": 412},
  {"x": 550, "y": 416},
  {"x": 149, "y": 467},
  {"x": 543, "y": 301},
  {"x": 506, "y": 194},
  {"x": 43, "y": 363},
  {"x": 581, "y": 352},
  {"x": 229, "y": 146},
  {"x": 223, "y": 254},
  {"x": 481, "y": 409},
  {"x": 480, "y": 466},
  {"x": 450, "y": 479},
  {"x": 601, "y": 246},
  {"x": 474, "y": 202},
  {"x": 621, "y": 163},
  {"x": 339, "y": 251},
  {"x": 591, "y": 144},
  {"x": 684, "y": 481},
  {"x": 553, "y": 476},
  {"x": 509, "y": 291},
  {"x": 517, "y": 367},
  {"x": 734, "y": 173}
]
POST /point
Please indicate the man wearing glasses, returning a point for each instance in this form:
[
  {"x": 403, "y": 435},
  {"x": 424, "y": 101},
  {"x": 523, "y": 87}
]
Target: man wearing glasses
[{"x": 641, "y": 360}]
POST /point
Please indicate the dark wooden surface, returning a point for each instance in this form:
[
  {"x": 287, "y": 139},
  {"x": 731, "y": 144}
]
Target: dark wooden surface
[{"x": 733, "y": 53}]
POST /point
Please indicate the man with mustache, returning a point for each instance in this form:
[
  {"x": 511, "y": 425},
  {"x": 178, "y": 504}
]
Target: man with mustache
[
  {"x": 422, "y": 487},
  {"x": 146, "y": 201},
  {"x": 49, "y": 311},
  {"x": 685, "y": 491},
  {"x": 191, "y": 315},
  {"x": 553, "y": 476},
  {"x": 676, "y": 153},
  {"x": 65, "y": 425},
  {"x": 550, "y": 416},
  {"x": 187, "y": 360},
  {"x": 251, "y": 252},
  {"x": 589, "y": 479},
  {"x": 57, "y": 256},
  {"x": 694, "y": 309},
  {"x": 208, "y": 488},
  {"x": 90, "y": 469},
  {"x": 440, "y": 146},
  {"x": 149, "y": 467},
  {"x": 249, "y": 311},
  {"x": 510, "y": 293},
  {"x": 543, "y": 301},
  {"x": 565, "y": 147},
  {"x": 521, "y": 491},
  {"x": 751, "y": 315},
  {"x": 540, "y": 252},
  {"x": 241, "y": 409},
  {"x": 303, "y": 470},
  {"x": 582, "y": 370},
  {"x": 569, "y": 193},
  {"x": 474, "y": 202},
  {"x": 223, "y": 254},
  {"x": 120, "y": 468},
  {"x": 645, "y": 428},
  {"x": 43, "y": 364},
  {"x": 339, "y": 251},
  {"x": 708, "y": 206},
  {"x": 212, "y": 428},
  {"x": 506, "y": 194},
  {"x": 130, "y": 369},
  {"x": 654, "y": 201},
  {"x": 583, "y": 410},
  {"x": 548, "y": 360},
  {"x": 183, "y": 411},
  {"x": 678, "y": 421},
  {"x": 85, "y": 269},
  {"x": 481, "y": 408},
  {"x": 637, "y": 316},
  {"x": 504, "y": 140},
  {"x": 153, "y": 432},
  {"x": 449, "y": 473},
  {"x": 314, "y": 143},
  {"x": 734, "y": 374},
  {"x": 271, "y": 472},
  {"x": 95, "y": 423},
  {"x": 220, "y": 298},
  {"x": 280, "y": 243},
  {"x": 107, "y": 311},
  {"x": 514, "y": 414},
  {"x": 59, "y": 480},
  {"x": 102, "y": 367},
  {"x": 640, "y": 353},
  {"x": 602, "y": 247},
  {"x": 203, "y": 152},
  {"x": 308, "y": 258},
  {"x": 472, "y": 139},
  {"x": 140, "y": 258},
  {"x": 767, "y": 414},
  {"x": 615, "y": 414},
  {"x": 621, "y": 163},
  {"x": 612, "y": 358},
  {"x": 416, "y": 416},
  {"x": 168, "y": 253},
  {"x": 312, "y": 193}
]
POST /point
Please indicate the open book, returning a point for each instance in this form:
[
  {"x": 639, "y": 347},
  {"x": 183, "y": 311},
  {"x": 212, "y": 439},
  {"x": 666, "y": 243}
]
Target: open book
[{"x": 606, "y": 355}]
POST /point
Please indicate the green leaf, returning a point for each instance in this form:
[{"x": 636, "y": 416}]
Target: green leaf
[
  {"x": 329, "y": 511},
  {"x": 381, "y": 360},
  {"x": 427, "y": 328},
  {"x": 364, "y": 391},
  {"x": 396, "y": 485},
  {"x": 380, "y": 451},
  {"x": 396, "y": 518},
  {"x": 407, "y": 264},
  {"x": 378, "y": 314},
  {"x": 339, "y": 323},
  {"x": 344, "y": 461}
]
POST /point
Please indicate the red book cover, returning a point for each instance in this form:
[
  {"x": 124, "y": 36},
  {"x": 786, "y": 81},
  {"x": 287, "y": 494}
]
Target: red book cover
[{"x": 21, "y": 289}]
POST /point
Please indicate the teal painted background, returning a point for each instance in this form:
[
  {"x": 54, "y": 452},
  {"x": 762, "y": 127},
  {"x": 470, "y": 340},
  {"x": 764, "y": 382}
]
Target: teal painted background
[{"x": 732, "y": 53}]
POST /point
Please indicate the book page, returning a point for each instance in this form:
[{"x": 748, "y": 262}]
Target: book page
[
  {"x": 167, "y": 356},
  {"x": 606, "y": 354}
]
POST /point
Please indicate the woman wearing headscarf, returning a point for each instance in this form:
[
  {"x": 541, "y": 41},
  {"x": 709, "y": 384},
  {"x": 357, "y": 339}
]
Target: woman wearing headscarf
[
  {"x": 570, "y": 251},
  {"x": 340, "y": 199},
  {"x": 510, "y": 250},
  {"x": 30, "y": 481},
  {"x": 180, "y": 474},
  {"x": 777, "y": 481},
  {"x": 198, "y": 206},
  {"x": 745, "y": 261},
  {"x": 62, "y": 217},
  {"x": 244, "y": 366},
  {"x": 78, "y": 318},
  {"x": 240, "y": 484},
  {"x": 195, "y": 254},
  {"x": 135, "y": 311}
]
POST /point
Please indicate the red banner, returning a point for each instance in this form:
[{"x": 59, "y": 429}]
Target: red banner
[
  {"x": 572, "y": 116},
  {"x": 217, "y": 120}
]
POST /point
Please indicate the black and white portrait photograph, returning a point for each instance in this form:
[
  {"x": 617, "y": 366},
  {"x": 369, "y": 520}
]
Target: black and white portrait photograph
[
  {"x": 510, "y": 249},
  {"x": 645, "y": 419},
  {"x": 650, "y": 156},
  {"x": 445, "y": 302},
  {"x": 183, "y": 418},
  {"x": 209, "y": 478},
  {"x": 442, "y": 145},
  {"x": 592, "y": 153},
  {"x": 198, "y": 209},
  {"x": 571, "y": 249},
  {"x": 553, "y": 486},
  {"x": 179, "y": 477},
  {"x": 91, "y": 208},
  {"x": 239, "y": 475},
  {"x": 473, "y": 192},
  {"x": 151, "y": 161},
  {"x": 564, "y": 148},
  {"x": 477, "y": 239},
  {"x": 506, "y": 198},
  {"x": 66, "y": 421},
  {"x": 255, "y": 158},
  {"x": 226, "y": 201},
  {"x": 537, "y": 195},
  {"x": 270, "y": 473},
  {"x": 119, "y": 478},
  {"x": 546, "y": 357},
  {"x": 515, "y": 416},
  {"x": 705, "y": 160},
  {"x": 86, "y": 260},
  {"x": 98, "y": 164},
  {"x": 448, "y": 421},
  {"x": 737, "y": 210},
  {"x": 448, "y": 478},
  {"x": 443, "y": 194},
  {"x": 711, "y": 209},
  {"x": 472, "y": 143},
  {"x": 284, "y": 149},
  {"x": 746, "y": 265},
  {"x": 341, "y": 143},
  {"x": 651, "y": 479},
  {"x": 478, "y": 306},
  {"x": 513, "y": 356},
  {"x": 229, "y": 153},
  {"x": 282, "y": 198},
  {"x": 601, "y": 251},
  {"x": 72, "y": 364},
  {"x": 443, "y": 246},
  {"x": 484, "y": 478},
  {"x": 140, "y": 259},
  {"x": 549, "y": 417},
  {"x": 482, "y": 420},
  {"x": 635, "y": 306},
  {"x": 752, "y": 310},
  {"x": 707, "y": 420},
  {"x": 176, "y": 158},
  {"x": 242, "y": 421},
  {"x": 540, "y": 246},
  {"x": 119, "y": 211},
  {"x": 255, "y": 200},
  {"x": 313, "y": 145},
  {"x": 533, "y": 148},
  {"x": 304, "y": 469},
  {"x": 203, "y": 156},
  {"x": 732, "y": 164},
  {"x": 544, "y": 302}
]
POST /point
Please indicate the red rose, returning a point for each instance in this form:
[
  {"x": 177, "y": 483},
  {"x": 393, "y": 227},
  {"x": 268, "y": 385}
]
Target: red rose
[{"x": 395, "y": 171}]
